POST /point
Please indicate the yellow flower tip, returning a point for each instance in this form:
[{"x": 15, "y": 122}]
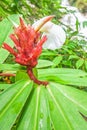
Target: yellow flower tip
[{"x": 43, "y": 21}]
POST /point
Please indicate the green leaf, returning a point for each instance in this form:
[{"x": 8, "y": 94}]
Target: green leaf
[
  {"x": 6, "y": 29},
  {"x": 79, "y": 63},
  {"x": 10, "y": 67},
  {"x": 73, "y": 57},
  {"x": 74, "y": 33},
  {"x": 4, "y": 87},
  {"x": 65, "y": 105},
  {"x": 44, "y": 63},
  {"x": 80, "y": 82},
  {"x": 49, "y": 53},
  {"x": 61, "y": 72},
  {"x": 77, "y": 24},
  {"x": 73, "y": 77},
  {"x": 11, "y": 103},
  {"x": 36, "y": 114},
  {"x": 57, "y": 61},
  {"x": 21, "y": 75}
]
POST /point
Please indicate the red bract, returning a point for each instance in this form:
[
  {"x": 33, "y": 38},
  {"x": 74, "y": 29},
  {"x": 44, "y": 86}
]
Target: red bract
[
  {"x": 28, "y": 47},
  {"x": 27, "y": 43}
]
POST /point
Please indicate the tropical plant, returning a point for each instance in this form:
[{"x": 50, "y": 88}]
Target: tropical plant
[{"x": 59, "y": 105}]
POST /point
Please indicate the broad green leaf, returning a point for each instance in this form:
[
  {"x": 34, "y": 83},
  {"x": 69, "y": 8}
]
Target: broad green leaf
[
  {"x": 11, "y": 67},
  {"x": 65, "y": 76},
  {"x": 21, "y": 75},
  {"x": 4, "y": 87},
  {"x": 6, "y": 29},
  {"x": 36, "y": 113},
  {"x": 77, "y": 81},
  {"x": 60, "y": 72},
  {"x": 11, "y": 103},
  {"x": 79, "y": 63},
  {"x": 65, "y": 105},
  {"x": 68, "y": 80},
  {"x": 44, "y": 63}
]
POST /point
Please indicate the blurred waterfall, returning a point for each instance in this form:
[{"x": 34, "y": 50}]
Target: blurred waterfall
[{"x": 71, "y": 18}]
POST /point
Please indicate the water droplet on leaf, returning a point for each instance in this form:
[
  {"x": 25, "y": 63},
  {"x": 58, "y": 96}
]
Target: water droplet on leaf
[
  {"x": 41, "y": 115},
  {"x": 51, "y": 105}
]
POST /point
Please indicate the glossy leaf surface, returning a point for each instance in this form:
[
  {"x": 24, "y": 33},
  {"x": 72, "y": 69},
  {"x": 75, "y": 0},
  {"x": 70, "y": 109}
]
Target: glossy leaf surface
[
  {"x": 11, "y": 103},
  {"x": 64, "y": 76},
  {"x": 53, "y": 107}
]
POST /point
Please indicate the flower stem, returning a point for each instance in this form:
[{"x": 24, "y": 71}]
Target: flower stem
[
  {"x": 32, "y": 77},
  {"x": 7, "y": 74}
]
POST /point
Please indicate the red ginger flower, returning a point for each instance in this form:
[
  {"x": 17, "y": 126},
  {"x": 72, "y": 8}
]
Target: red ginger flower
[
  {"x": 27, "y": 43},
  {"x": 28, "y": 47}
]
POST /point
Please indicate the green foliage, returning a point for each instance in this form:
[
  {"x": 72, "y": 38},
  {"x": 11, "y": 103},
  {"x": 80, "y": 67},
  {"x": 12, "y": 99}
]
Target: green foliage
[
  {"x": 15, "y": 97},
  {"x": 79, "y": 63},
  {"x": 57, "y": 60},
  {"x": 6, "y": 27},
  {"x": 30, "y": 10},
  {"x": 71, "y": 55},
  {"x": 62, "y": 104},
  {"x": 37, "y": 108}
]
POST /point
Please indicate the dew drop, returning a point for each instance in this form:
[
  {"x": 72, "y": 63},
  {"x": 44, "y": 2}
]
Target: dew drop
[
  {"x": 41, "y": 115},
  {"x": 51, "y": 105}
]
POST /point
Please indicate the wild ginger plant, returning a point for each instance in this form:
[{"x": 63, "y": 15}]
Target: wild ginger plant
[{"x": 41, "y": 97}]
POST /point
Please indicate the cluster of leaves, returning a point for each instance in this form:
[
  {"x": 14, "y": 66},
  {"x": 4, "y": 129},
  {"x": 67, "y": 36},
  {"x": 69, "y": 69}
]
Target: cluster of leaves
[
  {"x": 31, "y": 9},
  {"x": 7, "y": 7},
  {"x": 71, "y": 55}
]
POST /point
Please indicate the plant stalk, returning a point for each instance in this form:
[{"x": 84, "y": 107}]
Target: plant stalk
[{"x": 32, "y": 77}]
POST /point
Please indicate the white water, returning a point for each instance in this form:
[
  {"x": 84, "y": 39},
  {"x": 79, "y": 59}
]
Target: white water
[{"x": 70, "y": 19}]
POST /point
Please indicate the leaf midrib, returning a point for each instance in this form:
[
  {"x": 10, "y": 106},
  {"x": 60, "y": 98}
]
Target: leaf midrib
[
  {"x": 37, "y": 105},
  {"x": 72, "y": 100},
  {"x": 4, "y": 110},
  {"x": 60, "y": 109}
]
